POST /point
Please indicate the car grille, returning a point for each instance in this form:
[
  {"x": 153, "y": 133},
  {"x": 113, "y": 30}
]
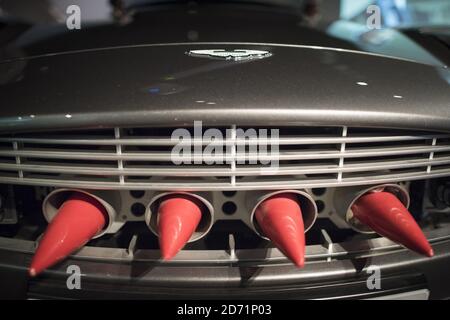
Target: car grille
[{"x": 140, "y": 158}]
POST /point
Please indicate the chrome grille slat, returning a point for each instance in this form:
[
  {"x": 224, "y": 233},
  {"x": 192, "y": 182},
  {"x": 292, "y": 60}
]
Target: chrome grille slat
[
  {"x": 217, "y": 172},
  {"x": 124, "y": 158},
  {"x": 166, "y": 156},
  {"x": 155, "y": 141},
  {"x": 195, "y": 185}
]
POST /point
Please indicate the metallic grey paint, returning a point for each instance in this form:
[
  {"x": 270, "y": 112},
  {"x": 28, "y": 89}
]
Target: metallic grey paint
[
  {"x": 160, "y": 85},
  {"x": 137, "y": 74}
]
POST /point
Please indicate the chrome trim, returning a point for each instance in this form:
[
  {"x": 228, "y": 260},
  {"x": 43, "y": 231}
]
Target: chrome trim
[{"x": 62, "y": 160}]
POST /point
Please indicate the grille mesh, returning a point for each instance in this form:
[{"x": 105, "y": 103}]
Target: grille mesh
[{"x": 140, "y": 158}]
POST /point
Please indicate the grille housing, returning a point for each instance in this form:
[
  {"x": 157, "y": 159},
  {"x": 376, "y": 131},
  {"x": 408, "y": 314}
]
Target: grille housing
[{"x": 140, "y": 159}]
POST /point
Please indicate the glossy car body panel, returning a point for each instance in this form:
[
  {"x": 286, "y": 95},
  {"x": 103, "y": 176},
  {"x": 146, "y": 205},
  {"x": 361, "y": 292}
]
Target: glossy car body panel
[
  {"x": 161, "y": 85},
  {"x": 141, "y": 76}
]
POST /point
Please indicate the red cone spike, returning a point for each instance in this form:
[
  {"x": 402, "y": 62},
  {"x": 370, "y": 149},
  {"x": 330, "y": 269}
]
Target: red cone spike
[
  {"x": 386, "y": 215},
  {"x": 178, "y": 218},
  {"x": 77, "y": 221},
  {"x": 280, "y": 219}
]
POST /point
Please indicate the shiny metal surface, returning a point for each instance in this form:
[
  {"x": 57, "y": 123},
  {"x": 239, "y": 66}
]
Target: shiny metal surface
[
  {"x": 131, "y": 86},
  {"x": 133, "y": 74},
  {"x": 307, "y": 157}
]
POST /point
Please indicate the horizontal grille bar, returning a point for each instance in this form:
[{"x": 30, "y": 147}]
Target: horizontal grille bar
[
  {"x": 218, "y": 172},
  {"x": 155, "y": 141},
  {"x": 167, "y": 156},
  {"x": 195, "y": 185}
]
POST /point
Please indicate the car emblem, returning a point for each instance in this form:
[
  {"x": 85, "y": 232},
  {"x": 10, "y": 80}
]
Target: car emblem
[{"x": 236, "y": 55}]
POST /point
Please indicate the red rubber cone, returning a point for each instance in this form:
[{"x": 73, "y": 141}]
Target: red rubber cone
[
  {"x": 79, "y": 219},
  {"x": 386, "y": 215},
  {"x": 280, "y": 219},
  {"x": 178, "y": 218}
]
